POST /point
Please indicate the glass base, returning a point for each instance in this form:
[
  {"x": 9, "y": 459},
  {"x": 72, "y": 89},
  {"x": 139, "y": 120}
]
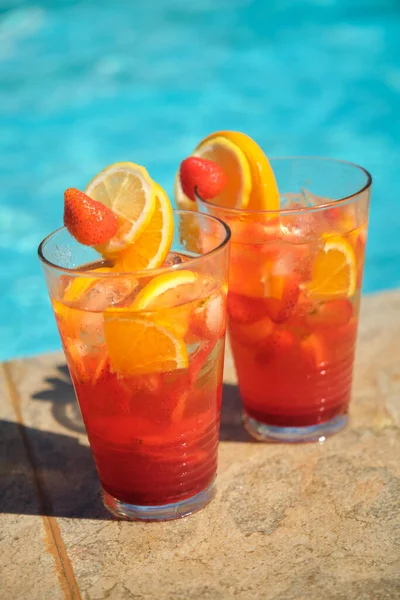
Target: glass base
[
  {"x": 311, "y": 433},
  {"x": 164, "y": 512}
]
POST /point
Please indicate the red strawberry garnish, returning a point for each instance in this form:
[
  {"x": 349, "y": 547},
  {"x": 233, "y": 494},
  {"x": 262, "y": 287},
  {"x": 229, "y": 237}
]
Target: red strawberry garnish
[
  {"x": 201, "y": 175},
  {"x": 88, "y": 221},
  {"x": 285, "y": 294}
]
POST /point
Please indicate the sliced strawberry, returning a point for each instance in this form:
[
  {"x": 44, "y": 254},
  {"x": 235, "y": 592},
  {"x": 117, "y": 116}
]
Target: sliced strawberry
[
  {"x": 208, "y": 321},
  {"x": 330, "y": 314},
  {"x": 277, "y": 344},
  {"x": 199, "y": 360},
  {"x": 249, "y": 270},
  {"x": 88, "y": 221},
  {"x": 251, "y": 334},
  {"x": 285, "y": 292},
  {"x": 245, "y": 309},
  {"x": 203, "y": 175},
  {"x": 332, "y": 345},
  {"x": 297, "y": 322},
  {"x": 174, "y": 389},
  {"x": 254, "y": 232}
]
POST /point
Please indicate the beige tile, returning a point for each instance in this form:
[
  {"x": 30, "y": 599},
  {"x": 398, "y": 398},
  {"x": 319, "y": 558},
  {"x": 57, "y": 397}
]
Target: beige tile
[
  {"x": 288, "y": 523},
  {"x": 30, "y": 566}
]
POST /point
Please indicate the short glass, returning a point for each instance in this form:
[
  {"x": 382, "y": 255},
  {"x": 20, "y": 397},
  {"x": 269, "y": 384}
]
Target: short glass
[
  {"x": 153, "y": 432},
  {"x": 294, "y": 294}
]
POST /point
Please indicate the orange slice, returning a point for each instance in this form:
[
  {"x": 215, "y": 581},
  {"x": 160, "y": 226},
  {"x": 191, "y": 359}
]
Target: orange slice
[
  {"x": 233, "y": 161},
  {"x": 264, "y": 191},
  {"x": 137, "y": 346},
  {"x": 128, "y": 190},
  {"x": 166, "y": 290},
  {"x": 78, "y": 304},
  {"x": 334, "y": 270},
  {"x": 87, "y": 366},
  {"x": 74, "y": 292},
  {"x": 166, "y": 300},
  {"x": 151, "y": 248},
  {"x": 80, "y": 285}
]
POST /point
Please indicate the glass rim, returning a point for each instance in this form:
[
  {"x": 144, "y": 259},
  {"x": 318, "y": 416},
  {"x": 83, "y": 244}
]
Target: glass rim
[
  {"x": 143, "y": 272},
  {"x": 305, "y": 209}
]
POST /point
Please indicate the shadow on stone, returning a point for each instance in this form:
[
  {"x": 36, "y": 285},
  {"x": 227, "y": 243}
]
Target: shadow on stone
[
  {"x": 44, "y": 473},
  {"x": 232, "y": 429},
  {"x": 60, "y": 393}
]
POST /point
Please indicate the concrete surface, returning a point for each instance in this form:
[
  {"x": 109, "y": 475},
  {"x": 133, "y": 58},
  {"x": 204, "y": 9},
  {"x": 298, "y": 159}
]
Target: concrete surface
[{"x": 305, "y": 522}]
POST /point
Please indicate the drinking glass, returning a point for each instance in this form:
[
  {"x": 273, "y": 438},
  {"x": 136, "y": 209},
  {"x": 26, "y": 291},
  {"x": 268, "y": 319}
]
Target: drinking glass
[
  {"x": 295, "y": 282},
  {"x": 148, "y": 381}
]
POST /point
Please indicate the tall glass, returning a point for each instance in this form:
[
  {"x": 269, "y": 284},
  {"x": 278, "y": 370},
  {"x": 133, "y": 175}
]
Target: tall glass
[
  {"x": 294, "y": 294},
  {"x": 153, "y": 430}
]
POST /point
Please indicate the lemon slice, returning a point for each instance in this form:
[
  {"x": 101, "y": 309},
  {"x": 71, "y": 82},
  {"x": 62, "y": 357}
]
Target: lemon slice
[
  {"x": 264, "y": 191},
  {"x": 137, "y": 346},
  {"x": 234, "y": 163},
  {"x": 166, "y": 300},
  {"x": 74, "y": 292},
  {"x": 166, "y": 290},
  {"x": 80, "y": 285},
  {"x": 128, "y": 190},
  {"x": 334, "y": 271},
  {"x": 151, "y": 248}
]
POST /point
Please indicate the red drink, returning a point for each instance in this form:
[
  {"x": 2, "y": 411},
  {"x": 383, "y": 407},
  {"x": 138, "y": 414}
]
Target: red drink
[
  {"x": 145, "y": 352},
  {"x": 153, "y": 437},
  {"x": 296, "y": 375},
  {"x": 294, "y": 295}
]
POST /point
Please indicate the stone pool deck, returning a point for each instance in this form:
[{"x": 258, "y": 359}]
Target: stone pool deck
[{"x": 305, "y": 522}]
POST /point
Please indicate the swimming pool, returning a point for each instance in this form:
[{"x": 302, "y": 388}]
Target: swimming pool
[{"x": 86, "y": 83}]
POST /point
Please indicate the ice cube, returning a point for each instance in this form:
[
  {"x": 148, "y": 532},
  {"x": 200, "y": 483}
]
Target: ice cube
[
  {"x": 108, "y": 292},
  {"x": 291, "y": 201},
  {"x": 313, "y": 199},
  {"x": 302, "y": 224},
  {"x": 284, "y": 263},
  {"x": 91, "y": 329}
]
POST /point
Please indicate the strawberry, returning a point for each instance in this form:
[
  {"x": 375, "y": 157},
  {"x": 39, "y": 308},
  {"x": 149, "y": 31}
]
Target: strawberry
[
  {"x": 285, "y": 292},
  {"x": 251, "y": 334},
  {"x": 333, "y": 345},
  {"x": 208, "y": 321},
  {"x": 199, "y": 360},
  {"x": 260, "y": 233},
  {"x": 278, "y": 343},
  {"x": 330, "y": 314},
  {"x": 334, "y": 214},
  {"x": 88, "y": 221},
  {"x": 245, "y": 309},
  {"x": 201, "y": 175}
]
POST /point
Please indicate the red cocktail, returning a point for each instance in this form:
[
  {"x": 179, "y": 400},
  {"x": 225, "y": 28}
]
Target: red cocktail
[
  {"x": 145, "y": 346},
  {"x": 294, "y": 294}
]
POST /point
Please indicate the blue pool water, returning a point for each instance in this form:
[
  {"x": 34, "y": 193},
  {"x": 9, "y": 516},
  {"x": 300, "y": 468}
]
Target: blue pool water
[{"x": 90, "y": 82}]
